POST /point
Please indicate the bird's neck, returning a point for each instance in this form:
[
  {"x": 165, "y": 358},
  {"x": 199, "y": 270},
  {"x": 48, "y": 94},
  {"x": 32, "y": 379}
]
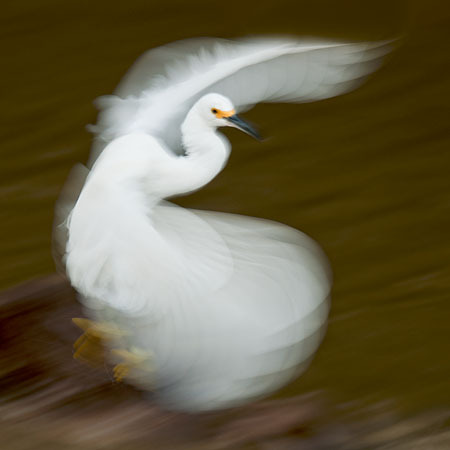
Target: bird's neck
[{"x": 206, "y": 154}]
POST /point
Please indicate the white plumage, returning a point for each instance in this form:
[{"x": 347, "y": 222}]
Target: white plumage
[{"x": 227, "y": 308}]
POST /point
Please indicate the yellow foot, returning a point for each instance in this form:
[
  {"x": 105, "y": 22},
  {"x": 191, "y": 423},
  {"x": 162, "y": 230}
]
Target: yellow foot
[
  {"x": 89, "y": 347},
  {"x": 136, "y": 364}
]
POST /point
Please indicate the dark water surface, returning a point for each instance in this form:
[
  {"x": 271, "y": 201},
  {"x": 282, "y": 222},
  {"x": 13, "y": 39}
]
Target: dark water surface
[{"x": 366, "y": 174}]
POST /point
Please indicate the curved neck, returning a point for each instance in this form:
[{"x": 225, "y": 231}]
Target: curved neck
[{"x": 206, "y": 155}]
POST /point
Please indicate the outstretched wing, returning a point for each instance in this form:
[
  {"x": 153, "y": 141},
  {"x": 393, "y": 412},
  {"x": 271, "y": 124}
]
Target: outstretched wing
[{"x": 164, "y": 83}]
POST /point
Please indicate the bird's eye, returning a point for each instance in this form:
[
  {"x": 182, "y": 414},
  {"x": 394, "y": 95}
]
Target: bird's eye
[{"x": 214, "y": 110}]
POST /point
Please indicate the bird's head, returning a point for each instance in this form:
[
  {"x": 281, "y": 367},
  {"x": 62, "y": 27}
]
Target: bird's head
[{"x": 218, "y": 111}]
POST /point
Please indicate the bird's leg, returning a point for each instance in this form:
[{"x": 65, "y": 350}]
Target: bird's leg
[
  {"x": 135, "y": 362},
  {"x": 89, "y": 347}
]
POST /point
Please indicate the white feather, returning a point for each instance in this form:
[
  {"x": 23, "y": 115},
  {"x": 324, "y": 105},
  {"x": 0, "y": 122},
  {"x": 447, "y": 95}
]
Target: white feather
[
  {"x": 164, "y": 83},
  {"x": 230, "y": 307}
]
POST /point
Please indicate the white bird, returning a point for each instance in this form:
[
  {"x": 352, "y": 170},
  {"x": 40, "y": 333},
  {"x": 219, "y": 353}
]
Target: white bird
[{"x": 208, "y": 310}]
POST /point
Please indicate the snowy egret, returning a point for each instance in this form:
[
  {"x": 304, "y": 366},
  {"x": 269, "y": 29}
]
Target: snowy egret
[{"x": 208, "y": 310}]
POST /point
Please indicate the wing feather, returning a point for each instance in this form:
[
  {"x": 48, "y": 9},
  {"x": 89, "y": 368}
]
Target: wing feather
[{"x": 165, "y": 82}]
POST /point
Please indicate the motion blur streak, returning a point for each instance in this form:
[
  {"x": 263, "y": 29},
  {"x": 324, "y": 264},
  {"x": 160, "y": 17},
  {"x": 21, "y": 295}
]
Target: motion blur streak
[
  {"x": 365, "y": 174},
  {"x": 205, "y": 309}
]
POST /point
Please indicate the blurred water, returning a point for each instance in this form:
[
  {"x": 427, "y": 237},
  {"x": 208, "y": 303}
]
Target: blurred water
[{"x": 366, "y": 174}]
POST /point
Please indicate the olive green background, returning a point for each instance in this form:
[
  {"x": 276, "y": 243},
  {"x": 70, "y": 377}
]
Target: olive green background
[{"x": 365, "y": 174}]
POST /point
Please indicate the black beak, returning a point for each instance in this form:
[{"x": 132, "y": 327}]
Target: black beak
[{"x": 241, "y": 124}]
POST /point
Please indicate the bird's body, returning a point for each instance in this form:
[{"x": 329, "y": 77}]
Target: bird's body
[{"x": 228, "y": 308}]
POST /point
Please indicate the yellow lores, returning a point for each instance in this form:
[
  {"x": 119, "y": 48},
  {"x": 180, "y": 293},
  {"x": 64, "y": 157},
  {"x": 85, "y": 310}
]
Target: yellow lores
[{"x": 223, "y": 114}]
